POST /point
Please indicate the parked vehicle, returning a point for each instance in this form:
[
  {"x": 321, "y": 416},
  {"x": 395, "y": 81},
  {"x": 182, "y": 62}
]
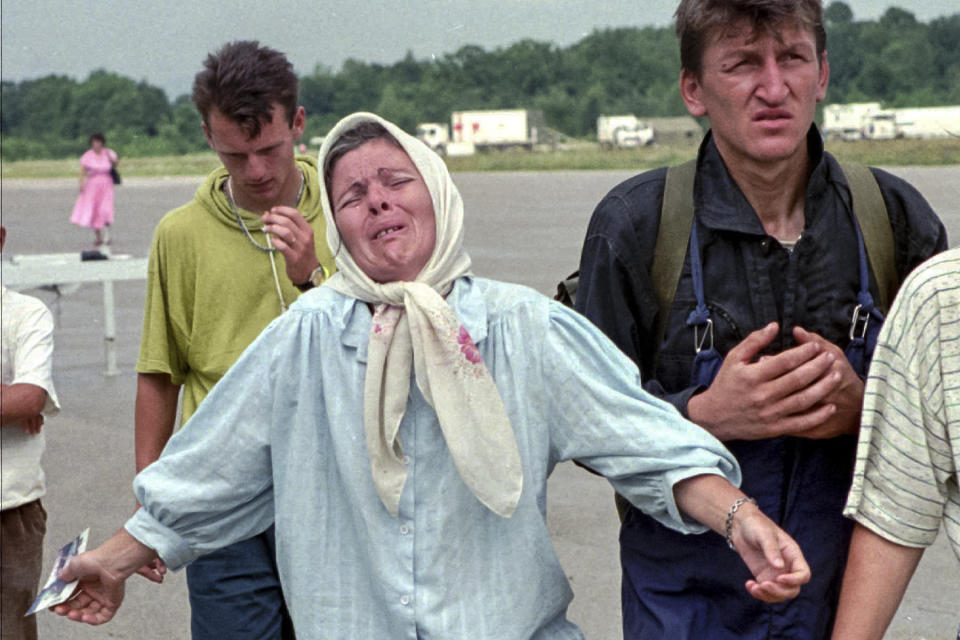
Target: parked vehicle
[
  {"x": 882, "y": 125},
  {"x": 866, "y": 120},
  {"x": 500, "y": 129},
  {"x": 623, "y": 131},
  {"x": 928, "y": 122},
  {"x": 435, "y": 135},
  {"x": 847, "y": 121}
]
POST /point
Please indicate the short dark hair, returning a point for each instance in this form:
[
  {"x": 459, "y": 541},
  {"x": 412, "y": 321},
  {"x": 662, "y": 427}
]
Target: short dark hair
[
  {"x": 696, "y": 21},
  {"x": 351, "y": 139},
  {"x": 97, "y": 136},
  {"x": 244, "y": 81}
]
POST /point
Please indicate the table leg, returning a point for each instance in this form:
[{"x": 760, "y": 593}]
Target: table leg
[{"x": 109, "y": 329}]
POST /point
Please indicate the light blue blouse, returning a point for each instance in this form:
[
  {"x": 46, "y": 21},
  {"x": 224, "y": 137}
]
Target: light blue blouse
[{"x": 281, "y": 439}]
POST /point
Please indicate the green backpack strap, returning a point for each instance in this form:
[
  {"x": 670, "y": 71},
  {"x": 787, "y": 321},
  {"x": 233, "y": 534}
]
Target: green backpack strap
[
  {"x": 673, "y": 234},
  {"x": 676, "y": 218},
  {"x": 871, "y": 214},
  {"x": 673, "y": 237}
]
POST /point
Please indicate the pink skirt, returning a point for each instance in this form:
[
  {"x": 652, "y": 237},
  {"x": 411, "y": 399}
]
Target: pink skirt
[{"x": 94, "y": 206}]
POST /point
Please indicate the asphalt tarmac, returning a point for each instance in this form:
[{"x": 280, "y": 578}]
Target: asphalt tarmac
[{"x": 521, "y": 227}]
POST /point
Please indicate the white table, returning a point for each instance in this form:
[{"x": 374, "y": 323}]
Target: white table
[{"x": 58, "y": 271}]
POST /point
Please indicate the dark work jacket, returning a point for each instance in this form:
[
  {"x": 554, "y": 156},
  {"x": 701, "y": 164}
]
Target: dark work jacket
[{"x": 677, "y": 586}]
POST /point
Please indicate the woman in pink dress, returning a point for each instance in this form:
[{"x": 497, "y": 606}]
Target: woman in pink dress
[{"x": 94, "y": 206}]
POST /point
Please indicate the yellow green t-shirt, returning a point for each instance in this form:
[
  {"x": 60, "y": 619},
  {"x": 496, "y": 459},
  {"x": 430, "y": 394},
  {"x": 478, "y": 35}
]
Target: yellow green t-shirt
[{"x": 210, "y": 292}]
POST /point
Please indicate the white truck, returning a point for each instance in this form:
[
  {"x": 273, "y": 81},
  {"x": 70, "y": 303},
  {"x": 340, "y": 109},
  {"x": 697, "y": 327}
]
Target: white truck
[
  {"x": 435, "y": 135},
  {"x": 847, "y": 121},
  {"x": 501, "y": 129},
  {"x": 882, "y": 125},
  {"x": 623, "y": 131},
  {"x": 928, "y": 122}
]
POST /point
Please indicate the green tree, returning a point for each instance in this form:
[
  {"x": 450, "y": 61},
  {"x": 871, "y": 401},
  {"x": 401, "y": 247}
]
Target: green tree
[
  {"x": 43, "y": 103},
  {"x": 943, "y": 34},
  {"x": 317, "y": 91},
  {"x": 895, "y": 60},
  {"x": 836, "y": 14},
  {"x": 526, "y": 68},
  {"x": 395, "y": 106},
  {"x": 357, "y": 87},
  {"x": 898, "y": 20}
]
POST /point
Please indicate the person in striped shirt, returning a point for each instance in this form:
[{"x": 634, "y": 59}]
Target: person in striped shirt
[{"x": 908, "y": 459}]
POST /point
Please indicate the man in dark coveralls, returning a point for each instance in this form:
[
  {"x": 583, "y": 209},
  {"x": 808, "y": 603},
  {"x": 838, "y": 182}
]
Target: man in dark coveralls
[{"x": 779, "y": 271}]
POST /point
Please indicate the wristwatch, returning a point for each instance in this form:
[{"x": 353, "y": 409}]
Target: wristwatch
[{"x": 317, "y": 277}]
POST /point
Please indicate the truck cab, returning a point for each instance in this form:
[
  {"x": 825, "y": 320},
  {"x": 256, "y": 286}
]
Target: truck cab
[{"x": 434, "y": 135}]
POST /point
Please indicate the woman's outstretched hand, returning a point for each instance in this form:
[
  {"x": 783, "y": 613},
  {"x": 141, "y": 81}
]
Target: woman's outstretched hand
[
  {"x": 99, "y": 594},
  {"x": 773, "y": 557},
  {"x": 102, "y": 574}
]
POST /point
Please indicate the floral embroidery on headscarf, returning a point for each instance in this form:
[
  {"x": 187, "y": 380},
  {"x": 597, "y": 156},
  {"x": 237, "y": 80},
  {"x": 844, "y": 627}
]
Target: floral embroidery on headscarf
[{"x": 467, "y": 348}]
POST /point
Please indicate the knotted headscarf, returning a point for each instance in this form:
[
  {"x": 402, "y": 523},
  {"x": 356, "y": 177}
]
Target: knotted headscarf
[{"x": 414, "y": 326}]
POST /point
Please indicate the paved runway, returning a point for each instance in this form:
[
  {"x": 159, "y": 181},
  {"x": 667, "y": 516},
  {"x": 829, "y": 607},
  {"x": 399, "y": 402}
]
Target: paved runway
[{"x": 523, "y": 227}]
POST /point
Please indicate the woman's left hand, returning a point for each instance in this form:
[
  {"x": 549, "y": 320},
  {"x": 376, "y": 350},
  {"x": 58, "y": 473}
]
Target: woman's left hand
[{"x": 773, "y": 557}]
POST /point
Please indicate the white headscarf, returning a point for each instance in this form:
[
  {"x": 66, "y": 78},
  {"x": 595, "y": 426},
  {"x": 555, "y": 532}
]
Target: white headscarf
[{"x": 413, "y": 324}]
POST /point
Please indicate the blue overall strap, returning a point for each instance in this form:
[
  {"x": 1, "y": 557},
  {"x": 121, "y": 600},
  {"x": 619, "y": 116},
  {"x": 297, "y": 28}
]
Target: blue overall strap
[
  {"x": 700, "y": 315},
  {"x": 707, "y": 361},
  {"x": 864, "y": 299},
  {"x": 875, "y": 248},
  {"x": 866, "y": 320}
]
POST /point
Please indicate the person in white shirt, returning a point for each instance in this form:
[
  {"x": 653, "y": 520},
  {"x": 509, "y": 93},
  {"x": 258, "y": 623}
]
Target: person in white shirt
[{"x": 26, "y": 397}]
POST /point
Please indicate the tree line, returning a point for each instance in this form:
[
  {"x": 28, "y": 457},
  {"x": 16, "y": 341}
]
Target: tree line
[{"x": 895, "y": 60}]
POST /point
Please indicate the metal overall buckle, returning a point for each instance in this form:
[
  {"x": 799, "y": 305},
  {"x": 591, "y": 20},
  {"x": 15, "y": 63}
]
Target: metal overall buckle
[
  {"x": 698, "y": 340},
  {"x": 859, "y": 322}
]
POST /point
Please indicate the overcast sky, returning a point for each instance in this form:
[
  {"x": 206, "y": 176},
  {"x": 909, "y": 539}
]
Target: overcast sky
[{"x": 164, "y": 43}]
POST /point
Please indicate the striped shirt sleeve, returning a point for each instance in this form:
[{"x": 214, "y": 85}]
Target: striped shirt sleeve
[{"x": 906, "y": 477}]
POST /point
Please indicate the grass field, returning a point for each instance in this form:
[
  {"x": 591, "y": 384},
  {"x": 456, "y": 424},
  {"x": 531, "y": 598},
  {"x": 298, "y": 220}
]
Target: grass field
[
  {"x": 577, "y": 156},
  {"x": 194, "y": 164}
]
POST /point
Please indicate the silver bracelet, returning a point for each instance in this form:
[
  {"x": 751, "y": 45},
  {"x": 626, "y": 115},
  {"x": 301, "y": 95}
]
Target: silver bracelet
[{"x": 729, "y": 524}]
